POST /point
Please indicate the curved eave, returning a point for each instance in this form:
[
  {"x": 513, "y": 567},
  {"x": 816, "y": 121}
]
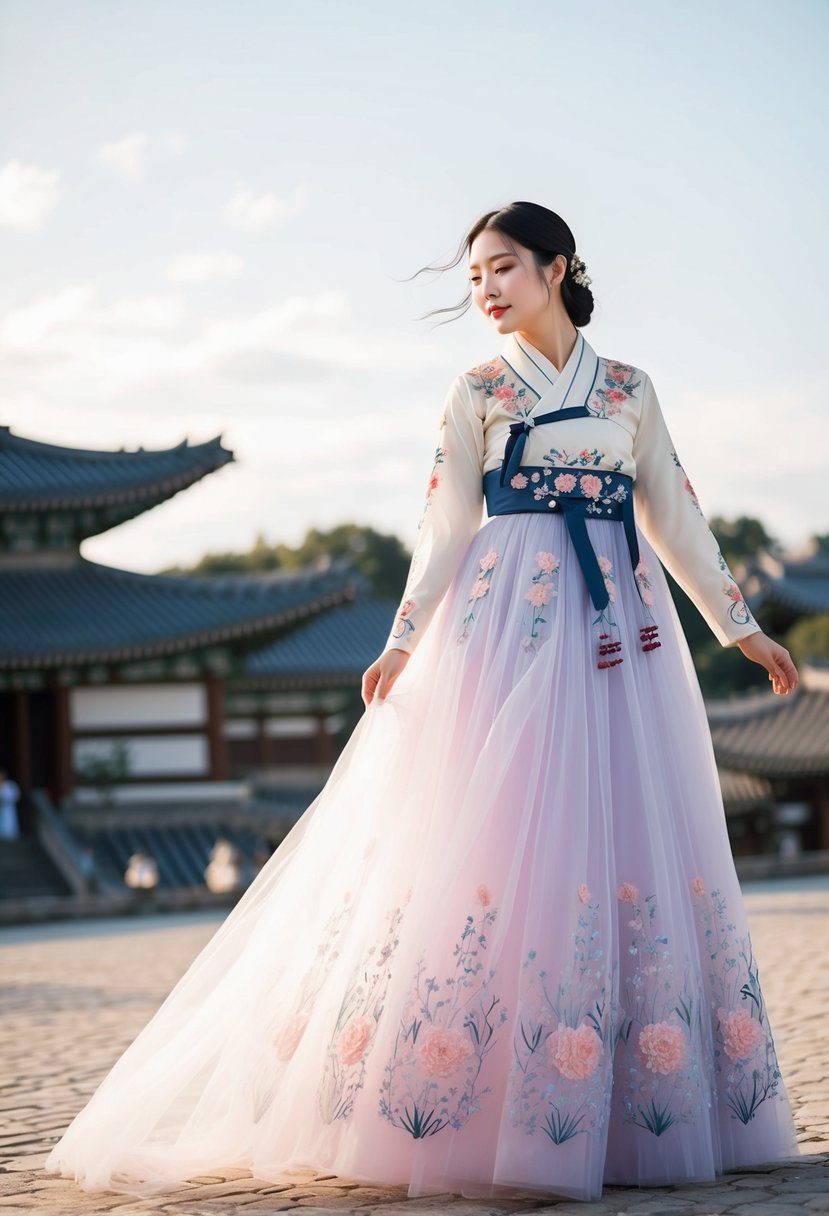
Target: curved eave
[
  {"x": 146, "y": 493},
  {"x": 196, "y": 640}
]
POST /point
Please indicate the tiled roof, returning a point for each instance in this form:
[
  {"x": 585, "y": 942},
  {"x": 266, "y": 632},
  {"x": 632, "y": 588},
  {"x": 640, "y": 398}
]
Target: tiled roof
[
  {"x": 775, "y": 736},
  {"x": 797, "y": 583},
  {"x": 743, "y": 792},
  {"x": 87, "y": 612},
  {"x": 339, "y": 642},
  {"x": 45, "y": 476}
]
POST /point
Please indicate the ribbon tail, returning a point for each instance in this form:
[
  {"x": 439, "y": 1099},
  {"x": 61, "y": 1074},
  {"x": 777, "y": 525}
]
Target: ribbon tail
[
  {"x": 586, "y": 555},
  {"x": 513, "y": 452},
  {"x": 630, "y": 529}
]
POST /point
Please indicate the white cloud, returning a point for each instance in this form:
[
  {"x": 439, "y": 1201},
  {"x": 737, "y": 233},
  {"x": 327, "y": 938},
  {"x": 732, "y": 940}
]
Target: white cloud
[
  {"x": 71, "y": 348},
  {"x": 175, "y": 141},
  {"x": 202, "y": 267},
  {"x": 27, "y": 195},
  {"x": 125, "y": 156},
  {"x": 28, "y": 326},
  {"x": 250, "y": 212}
]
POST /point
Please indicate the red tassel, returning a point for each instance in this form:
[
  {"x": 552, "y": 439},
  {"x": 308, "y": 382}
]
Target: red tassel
[
  {"x": 609, "y": 648},
  {"x": 648, "y": 637}
]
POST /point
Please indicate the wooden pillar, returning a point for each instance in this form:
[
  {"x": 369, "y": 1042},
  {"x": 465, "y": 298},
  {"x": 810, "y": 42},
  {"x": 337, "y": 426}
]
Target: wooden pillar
[
  {"x": 62, "y": 776},
  {"x": 324, "y": 749},
  {"x": 22, "y": 756},
  {"x": 822, "y": 799},
  {"x": 263, "y": 756},
  {"x": 216, "y": 743}
]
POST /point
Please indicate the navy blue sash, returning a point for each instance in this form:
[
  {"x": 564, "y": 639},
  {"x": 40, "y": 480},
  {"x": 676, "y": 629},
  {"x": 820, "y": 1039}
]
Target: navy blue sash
[{"x": 581, "y": 493}]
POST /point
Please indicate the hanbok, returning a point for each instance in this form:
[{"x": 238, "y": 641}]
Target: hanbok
[{"x": 505, "y": 948}]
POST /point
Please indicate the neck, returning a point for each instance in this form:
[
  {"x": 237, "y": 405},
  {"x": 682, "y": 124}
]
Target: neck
[{"x": 556, "y": 340}]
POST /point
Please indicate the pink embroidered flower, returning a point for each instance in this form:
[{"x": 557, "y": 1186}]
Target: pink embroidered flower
[
  {"x": 407, "y": 608},
  {"x": 591, "y": 485},
  {"x": 642, "y": 570},
  {"x": 548, "y": 562},
  {"x": 616, "y": 394},
  {"x": 535, "y": 477},
  {"x": 565, "y": 482},
  {"x": 662, "y": 1046},
  {"x": 734, "y": 593},
  {"x": 489, "y": 560},
  {"x": 742, "y": 1034},
  {"x": 605, "y": 564},
  {"x": 584, "y": 894},
  {"x": 618, "y": 372},
  {"x": 698, "y": 886},
  {"x": 484, "y": 896},
  {"x": 575, "y": 1053},
  {"x": 504, "y": 392},
  {"x": 540, "y": 594},
  {"x": 286, "y": 1040},
  {"x": 627, "y": 893},
  {"x": 526, "y": 641},
  {"x": 584, "y": 454},
  {"x": 442, "y": 1051},
  {"x": 519, "y": 481},
  {"x": 434, "y": 482},
  {"x": 352, "y": 1043}
]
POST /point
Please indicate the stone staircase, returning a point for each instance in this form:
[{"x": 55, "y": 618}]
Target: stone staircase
[{"x": 26, "y": 869}]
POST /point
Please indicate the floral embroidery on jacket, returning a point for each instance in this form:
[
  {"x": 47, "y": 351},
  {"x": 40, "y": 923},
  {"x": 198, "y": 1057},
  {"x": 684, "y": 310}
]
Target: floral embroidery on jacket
[
  {"x": 559, "y": 1080},
  {"x": 356, "y": 1025},
  {"x": 431, "y": 1077},
  {"x": 744, "y": 1052},
  {"x": 493, "y": 379},
  {"x": 434, "y": 481},
  {"x": 479, "y": 589},
  {"x": 402, "y": 623},
  {"x": 658, "y": 1044},
  {"x": 562, "y": 456},
  {"x": 541, "y": 591},
  {"x": 739, "y": 610},
  {"x": 618, "y": 387},
  {"x": 688, "y": 487}
]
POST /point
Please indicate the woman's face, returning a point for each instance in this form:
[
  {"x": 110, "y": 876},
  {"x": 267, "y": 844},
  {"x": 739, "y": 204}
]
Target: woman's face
[{"x": 503, "y": 273}]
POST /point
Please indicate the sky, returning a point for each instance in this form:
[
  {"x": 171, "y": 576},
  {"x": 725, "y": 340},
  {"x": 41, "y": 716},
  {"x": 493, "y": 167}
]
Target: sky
[{"x": 210, "y": 214}]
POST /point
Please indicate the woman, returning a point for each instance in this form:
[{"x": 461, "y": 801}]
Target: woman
[{"x": 505, "y": 948}]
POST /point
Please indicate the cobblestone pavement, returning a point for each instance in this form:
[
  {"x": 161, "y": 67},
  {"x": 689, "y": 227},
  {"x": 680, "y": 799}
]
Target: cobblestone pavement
[{"x": 74, "y": 995}]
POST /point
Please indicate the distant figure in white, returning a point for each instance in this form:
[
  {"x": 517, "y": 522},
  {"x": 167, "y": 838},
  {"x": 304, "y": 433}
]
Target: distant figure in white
[{"x": 9, "y": 794}]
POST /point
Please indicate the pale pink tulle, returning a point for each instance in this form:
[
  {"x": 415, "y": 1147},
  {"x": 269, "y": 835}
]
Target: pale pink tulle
[{"x": 515, "y": 851}]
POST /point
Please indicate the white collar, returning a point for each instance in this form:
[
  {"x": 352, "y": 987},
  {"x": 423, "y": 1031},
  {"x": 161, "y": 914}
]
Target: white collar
[{"x": 570, "y": 386}]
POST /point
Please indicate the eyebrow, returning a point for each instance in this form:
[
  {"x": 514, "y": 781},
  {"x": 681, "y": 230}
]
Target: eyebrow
[{"x": 494, "y": 258}]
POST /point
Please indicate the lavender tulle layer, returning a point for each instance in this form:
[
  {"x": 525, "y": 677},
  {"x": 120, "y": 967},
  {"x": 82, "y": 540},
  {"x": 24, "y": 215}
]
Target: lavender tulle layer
[{"x": 504, "y": 949}]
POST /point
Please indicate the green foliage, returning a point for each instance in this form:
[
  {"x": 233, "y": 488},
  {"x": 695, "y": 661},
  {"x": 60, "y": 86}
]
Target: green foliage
[
  {"x": 808, "y": 638},
  {"x": 742, "y": 538},
  {"x": 381, "y": 558}
]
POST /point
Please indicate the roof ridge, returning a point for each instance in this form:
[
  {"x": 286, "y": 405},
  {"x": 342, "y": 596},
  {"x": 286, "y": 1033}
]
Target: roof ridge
[{"x": 9, "y": 440}]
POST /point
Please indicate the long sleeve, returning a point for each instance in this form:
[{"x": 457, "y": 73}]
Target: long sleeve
[
  {"x": 452, "y": 514},
  {"x": 669, "y": 515}
]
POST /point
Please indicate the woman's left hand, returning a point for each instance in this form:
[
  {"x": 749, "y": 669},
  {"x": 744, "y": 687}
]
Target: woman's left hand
[{"x": 774, "y": 657}]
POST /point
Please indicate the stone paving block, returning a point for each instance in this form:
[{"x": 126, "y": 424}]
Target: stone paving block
[{"x": 75, "y": 1003}]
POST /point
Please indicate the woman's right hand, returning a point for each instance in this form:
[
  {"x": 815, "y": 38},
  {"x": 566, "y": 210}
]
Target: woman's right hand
[{"x": 380, "y": 677}]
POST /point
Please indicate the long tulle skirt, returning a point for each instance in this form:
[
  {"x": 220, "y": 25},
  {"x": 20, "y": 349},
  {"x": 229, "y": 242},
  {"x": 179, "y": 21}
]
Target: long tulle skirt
[{"x": 504, "y": 949}]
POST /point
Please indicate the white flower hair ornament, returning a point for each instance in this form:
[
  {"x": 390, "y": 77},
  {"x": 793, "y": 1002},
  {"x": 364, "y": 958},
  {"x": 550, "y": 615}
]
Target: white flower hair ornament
[{"x": 577, "y": 269}]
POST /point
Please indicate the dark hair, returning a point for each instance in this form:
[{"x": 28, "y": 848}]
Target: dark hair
[{"x": 543, "y": 232}]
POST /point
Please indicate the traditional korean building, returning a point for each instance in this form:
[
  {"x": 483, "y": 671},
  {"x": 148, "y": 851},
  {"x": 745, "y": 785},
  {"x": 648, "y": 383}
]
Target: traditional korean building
[
  {"x": 772, "y": 751},
  {"x": 199, "y": 681}
]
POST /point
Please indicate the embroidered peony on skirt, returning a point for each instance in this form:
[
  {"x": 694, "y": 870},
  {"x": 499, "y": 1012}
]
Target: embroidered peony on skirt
[{"x": 504, "y": 948}]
